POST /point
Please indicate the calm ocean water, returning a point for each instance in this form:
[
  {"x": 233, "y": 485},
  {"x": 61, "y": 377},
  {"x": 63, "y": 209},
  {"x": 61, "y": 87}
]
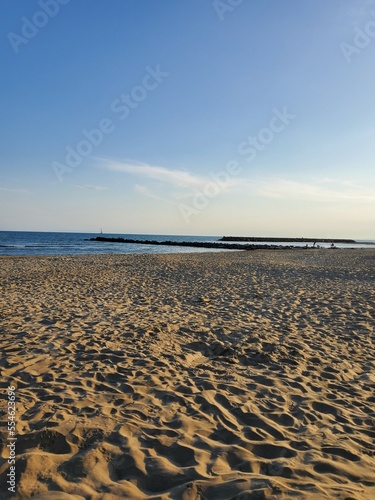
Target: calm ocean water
[
  {"x": 40, "y": 243},
  {"x": 35, "y": 243}
]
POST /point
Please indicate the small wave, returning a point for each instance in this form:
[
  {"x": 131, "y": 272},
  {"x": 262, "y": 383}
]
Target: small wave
[
  {"x": 12, "y": 246},
  {"x": 49, "y": 245}
]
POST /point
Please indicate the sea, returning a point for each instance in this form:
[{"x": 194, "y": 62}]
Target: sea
[{"x": 21, "y": 243}]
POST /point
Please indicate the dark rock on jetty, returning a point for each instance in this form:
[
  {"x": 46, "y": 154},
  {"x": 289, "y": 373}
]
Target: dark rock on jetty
[
  {"x": 291, "y": 240},
  {"x": 199, "y": 244}
]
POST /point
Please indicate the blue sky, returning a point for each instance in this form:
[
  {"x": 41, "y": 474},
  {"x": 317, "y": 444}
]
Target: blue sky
[{"x": 189, "y": 117}]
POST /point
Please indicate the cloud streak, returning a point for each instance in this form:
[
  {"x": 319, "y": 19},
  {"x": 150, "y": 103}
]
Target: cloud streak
[
  {"x": 171, "y": 185},
  {"x": 290, "y": 190},
  {"x": 164, "y": 184},
  {"x": 14, "y": 190},
  {"x": 90, "y": 187},
  {"x": 145, "y": 191},
  {"x": 177, "y": 178}
]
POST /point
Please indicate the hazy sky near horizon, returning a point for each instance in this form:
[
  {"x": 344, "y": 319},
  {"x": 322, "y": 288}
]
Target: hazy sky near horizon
[{"x": 188, "y": 117}]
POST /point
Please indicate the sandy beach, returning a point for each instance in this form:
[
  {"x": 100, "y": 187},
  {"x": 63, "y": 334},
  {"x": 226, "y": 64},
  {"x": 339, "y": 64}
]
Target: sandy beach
[{"x": 239, "y": 375}]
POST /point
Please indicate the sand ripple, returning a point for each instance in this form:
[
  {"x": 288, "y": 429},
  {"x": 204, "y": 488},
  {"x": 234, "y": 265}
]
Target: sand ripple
[{"x": 197, "y": 376}]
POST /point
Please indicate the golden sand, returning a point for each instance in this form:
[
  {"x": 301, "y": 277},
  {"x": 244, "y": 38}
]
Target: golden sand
[{"x": 244, "y": 375}]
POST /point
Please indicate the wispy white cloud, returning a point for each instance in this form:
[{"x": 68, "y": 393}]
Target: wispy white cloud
[
  {"x": 173, "y": 185},
  {"x": 178, "y": 178},
  {"x": 318, "y": 192},
  {"x": 145, "y": 191},
  {"x": 164, "y": 184},
  {"x": 15, "y": 190},
  {"x": 90, "y": 187}
]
